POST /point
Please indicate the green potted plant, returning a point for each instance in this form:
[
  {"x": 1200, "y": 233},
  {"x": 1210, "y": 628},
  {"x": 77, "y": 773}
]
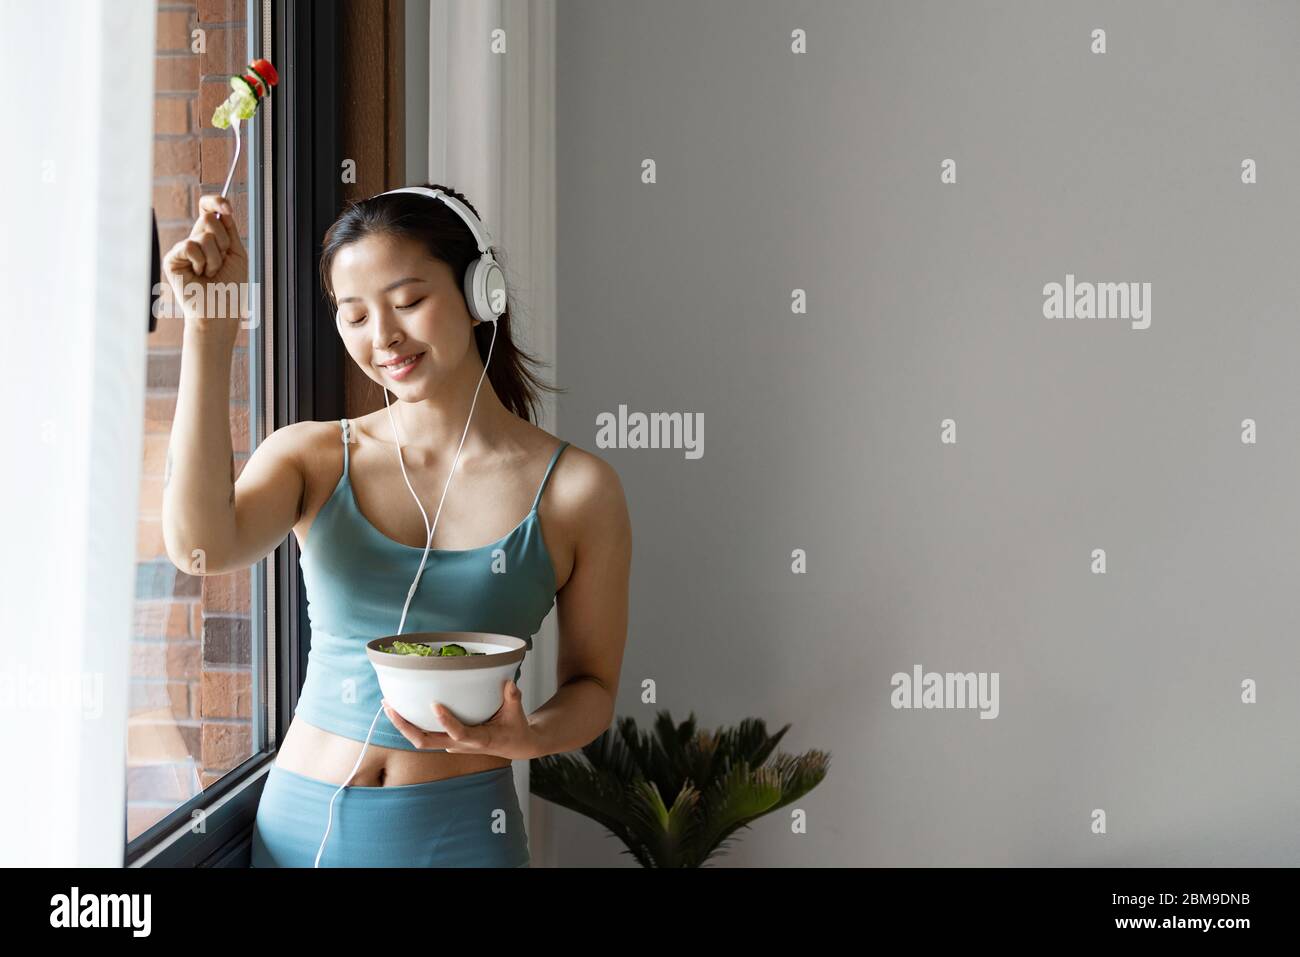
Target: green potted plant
[{"x": 675, "y": 796}]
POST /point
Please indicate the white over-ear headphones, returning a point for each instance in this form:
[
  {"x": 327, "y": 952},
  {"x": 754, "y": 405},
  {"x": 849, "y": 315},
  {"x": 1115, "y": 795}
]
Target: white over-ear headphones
[{"x": 484, "y": 283}]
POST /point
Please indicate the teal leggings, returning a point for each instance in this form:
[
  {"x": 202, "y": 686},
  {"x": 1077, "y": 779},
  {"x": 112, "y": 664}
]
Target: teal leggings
[{"x": 472, "y": 820}]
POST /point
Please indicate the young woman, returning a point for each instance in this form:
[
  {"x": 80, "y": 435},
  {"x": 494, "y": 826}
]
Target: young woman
[{"x": 394, "y": 266}]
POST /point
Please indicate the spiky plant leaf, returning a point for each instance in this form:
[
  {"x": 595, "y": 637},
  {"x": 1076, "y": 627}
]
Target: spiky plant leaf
[
  {"x": 666, "y": 833},
  {"x": 718, "y": 782}
]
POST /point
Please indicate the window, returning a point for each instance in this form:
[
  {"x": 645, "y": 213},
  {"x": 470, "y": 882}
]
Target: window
[
  {"x": 201, "y": 686},
  {"x": 218, "y": 661}
]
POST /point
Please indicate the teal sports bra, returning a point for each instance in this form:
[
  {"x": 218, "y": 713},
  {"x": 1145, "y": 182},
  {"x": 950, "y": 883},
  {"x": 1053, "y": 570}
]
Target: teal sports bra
[{"x": 356, "y": 579}]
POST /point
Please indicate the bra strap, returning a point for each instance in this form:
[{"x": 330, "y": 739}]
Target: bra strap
[
  {"x": 347, "y": 438},
  {"x": 547, "y": 477}
]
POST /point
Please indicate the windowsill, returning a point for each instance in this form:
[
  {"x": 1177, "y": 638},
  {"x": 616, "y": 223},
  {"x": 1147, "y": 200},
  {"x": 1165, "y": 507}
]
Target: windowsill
[{"x": 227, "y": 814}]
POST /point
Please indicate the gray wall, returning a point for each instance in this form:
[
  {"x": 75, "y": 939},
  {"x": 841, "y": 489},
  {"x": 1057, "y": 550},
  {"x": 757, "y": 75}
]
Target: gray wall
[{"x": 821, "y": 171}]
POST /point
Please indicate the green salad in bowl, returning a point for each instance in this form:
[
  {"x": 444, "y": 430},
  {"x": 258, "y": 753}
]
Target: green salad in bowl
[
  {"x": 416, "y": 648},
  {"x": 419, "y": 667}
]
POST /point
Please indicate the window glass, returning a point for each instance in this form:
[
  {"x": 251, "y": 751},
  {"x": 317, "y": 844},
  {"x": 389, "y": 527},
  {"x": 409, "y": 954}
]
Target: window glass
[{"x": 197, "y": 674}]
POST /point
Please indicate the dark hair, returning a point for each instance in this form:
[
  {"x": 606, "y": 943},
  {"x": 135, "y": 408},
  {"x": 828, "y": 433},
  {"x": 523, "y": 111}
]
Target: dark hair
[{"x": 446, "y": 237}]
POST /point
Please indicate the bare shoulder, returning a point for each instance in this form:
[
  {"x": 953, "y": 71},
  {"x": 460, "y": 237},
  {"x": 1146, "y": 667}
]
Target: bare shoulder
[
  {"x": 314, "y": 449},
  {"x": 587, "y": 494},
  {"x": 308, "y": 443}
]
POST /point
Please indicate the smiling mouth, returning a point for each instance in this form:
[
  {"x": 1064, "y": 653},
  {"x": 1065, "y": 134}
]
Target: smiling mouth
[
  {"x": 400, "y": 363},
  {"x": 404, "y": 369},
  {"x": 396, "y": 368}
]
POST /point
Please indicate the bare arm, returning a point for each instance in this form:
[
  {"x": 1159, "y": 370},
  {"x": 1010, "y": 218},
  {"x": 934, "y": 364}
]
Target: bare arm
[
  {"x": 593, "y": 613},
  {"x": 210, "y": 526}
]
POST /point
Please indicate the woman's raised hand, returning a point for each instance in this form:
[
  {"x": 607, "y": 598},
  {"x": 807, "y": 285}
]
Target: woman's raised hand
[{"x": 208, "y": 270}]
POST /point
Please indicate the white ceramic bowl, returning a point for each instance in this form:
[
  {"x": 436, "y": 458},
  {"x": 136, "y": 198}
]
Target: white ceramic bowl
[{"x": 472, "y": 687}]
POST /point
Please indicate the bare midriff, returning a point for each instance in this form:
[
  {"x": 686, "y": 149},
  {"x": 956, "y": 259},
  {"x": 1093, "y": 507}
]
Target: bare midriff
[{"x": 324, "y": 756}]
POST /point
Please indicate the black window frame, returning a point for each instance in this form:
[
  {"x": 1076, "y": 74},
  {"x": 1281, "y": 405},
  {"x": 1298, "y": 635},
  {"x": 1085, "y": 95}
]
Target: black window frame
[{"x": 309, "y": 385}]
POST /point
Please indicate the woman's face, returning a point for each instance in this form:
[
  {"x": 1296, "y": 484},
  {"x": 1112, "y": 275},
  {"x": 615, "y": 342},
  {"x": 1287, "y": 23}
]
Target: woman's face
[{"x": 396, "y": 302}]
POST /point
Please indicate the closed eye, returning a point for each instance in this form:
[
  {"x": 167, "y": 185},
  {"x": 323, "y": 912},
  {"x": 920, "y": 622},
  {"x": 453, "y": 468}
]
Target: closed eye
[{"x": 357, "y": 322}]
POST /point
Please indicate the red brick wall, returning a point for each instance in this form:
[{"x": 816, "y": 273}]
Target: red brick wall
[{"x": 191, "y": 706}]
